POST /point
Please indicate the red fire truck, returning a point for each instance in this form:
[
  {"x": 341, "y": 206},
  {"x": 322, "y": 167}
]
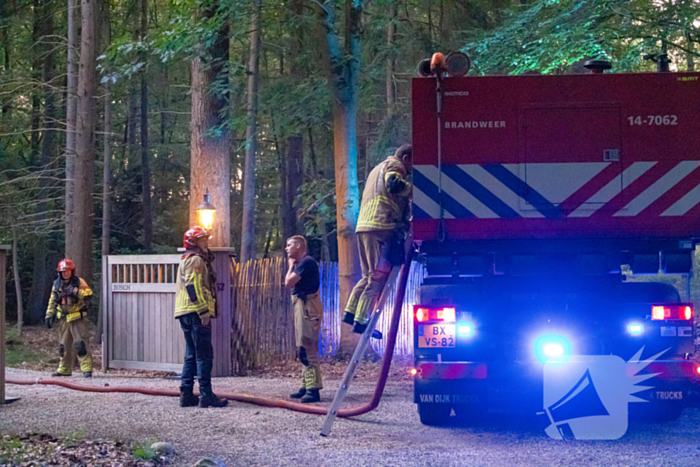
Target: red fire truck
[{"x": 534, "y": 198}]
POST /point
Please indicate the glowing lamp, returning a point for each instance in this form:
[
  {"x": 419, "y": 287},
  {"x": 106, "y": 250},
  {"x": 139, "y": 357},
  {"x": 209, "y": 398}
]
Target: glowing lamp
[
  {"x": 635, "y": 329},
  {"x": 552, "y": 348},
  {"x": 206, "y": 212},
  {"x": 414, "y": 372}
]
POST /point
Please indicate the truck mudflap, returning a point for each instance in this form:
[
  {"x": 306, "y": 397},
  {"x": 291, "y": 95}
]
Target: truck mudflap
[{"x": 476, "y": 388}]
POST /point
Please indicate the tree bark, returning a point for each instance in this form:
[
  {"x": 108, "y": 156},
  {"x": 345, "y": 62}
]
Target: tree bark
[
  {"x": 41, "y": 276},
  {"x": 343, "y": 68},
  {"x": 78, "y": 245},
  {"x": 210, "y": 136},
  {"x": 295, "y": 143},
  {"x": 71, "y": 115},
  {"x": 145, "y": 156},
  {"x": 248, "y": 230},
  {"x": 390, "y": 62},
  {"x": 106, "y": 183},
  {"x": 18, "y": 286}
]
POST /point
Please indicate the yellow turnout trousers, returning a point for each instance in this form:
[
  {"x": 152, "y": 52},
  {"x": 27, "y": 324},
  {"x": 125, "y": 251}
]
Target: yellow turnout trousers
[
  {"x": 73, "y": 336},
  {"x": 372, "y": 247},
  {"x": 308, "y": 315}
]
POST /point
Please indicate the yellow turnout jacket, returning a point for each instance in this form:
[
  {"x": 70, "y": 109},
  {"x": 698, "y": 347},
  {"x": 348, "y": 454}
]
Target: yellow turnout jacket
[
  {"x": 193, "y": 273},
  {"x": 381, "y": 210},
  {"x": 69, "y": 300}
]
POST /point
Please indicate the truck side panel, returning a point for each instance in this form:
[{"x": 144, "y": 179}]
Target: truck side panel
[{"x": 594, "y": 156}]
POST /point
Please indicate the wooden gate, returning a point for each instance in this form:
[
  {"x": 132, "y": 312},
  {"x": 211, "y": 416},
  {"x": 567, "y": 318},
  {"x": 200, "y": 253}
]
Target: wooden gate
[{"x": 140, "y": 331}]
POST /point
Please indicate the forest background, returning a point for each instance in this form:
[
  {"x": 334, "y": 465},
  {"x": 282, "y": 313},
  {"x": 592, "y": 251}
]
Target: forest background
[{"x": 302, "y": 97}]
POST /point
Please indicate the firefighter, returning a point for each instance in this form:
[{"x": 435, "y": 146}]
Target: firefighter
[
  {"x": 304, "y": 280},
  {"x": 195, "y": 306},
  {"x": 383, "y": 221},
  {"x": 70, "y": 298}
]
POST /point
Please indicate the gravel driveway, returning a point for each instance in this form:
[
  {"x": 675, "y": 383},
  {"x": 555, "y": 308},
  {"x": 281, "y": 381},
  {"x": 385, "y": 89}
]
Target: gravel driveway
[{"x": 247, "y": 435}]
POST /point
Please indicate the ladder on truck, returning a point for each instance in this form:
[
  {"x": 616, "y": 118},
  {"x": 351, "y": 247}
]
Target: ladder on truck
[{"x": 359, "y": 352}]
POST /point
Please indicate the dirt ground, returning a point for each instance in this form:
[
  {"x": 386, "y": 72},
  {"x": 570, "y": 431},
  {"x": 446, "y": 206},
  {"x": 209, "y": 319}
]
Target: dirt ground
[{"x": 243, "y": 434}]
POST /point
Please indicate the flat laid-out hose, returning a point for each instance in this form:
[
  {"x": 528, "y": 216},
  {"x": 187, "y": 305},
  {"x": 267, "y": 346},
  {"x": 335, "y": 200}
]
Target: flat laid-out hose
[{"x": 262, "y": 401}]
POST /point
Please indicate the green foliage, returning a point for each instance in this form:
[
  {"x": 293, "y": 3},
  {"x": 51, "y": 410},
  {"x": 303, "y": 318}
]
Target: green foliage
[
  {"x": 145, "y": 452},
  {"x": 318, "y": 206},
  {"x": 19, "y": 352},
  {"x": 549, "y": 36}
]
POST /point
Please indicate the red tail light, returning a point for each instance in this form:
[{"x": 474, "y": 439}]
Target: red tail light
[
  {"x": 436, "y": 314},
  {"x": 687, "y": 312},
  {"x": 663, "y": 312}
]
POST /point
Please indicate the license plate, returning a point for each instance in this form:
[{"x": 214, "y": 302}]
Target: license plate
[{"x": 436, "y": 335}]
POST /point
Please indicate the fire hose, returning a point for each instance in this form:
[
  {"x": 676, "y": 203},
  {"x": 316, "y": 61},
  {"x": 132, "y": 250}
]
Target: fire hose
[{"x": 262, "y": 401}]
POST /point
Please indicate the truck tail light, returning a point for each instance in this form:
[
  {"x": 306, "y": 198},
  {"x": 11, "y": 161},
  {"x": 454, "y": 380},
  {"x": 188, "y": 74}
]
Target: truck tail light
[
  {"x": 687, "y": 312},
  {"x": 697, "y": 370},
  {"x": 446, "y": 314},
  {"x": 663, "y": 312}
]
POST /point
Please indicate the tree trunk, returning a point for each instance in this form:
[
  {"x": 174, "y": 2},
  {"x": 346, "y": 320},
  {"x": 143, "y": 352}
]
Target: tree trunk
[
  {"x": 106, "y": 182},
  {"x": 248, "y": 230},
  {"x": 71, "y": 116},
  {"x": 210, "y": 137},
  {"x": 689, "y": 55},
  {"x": 390, "y": 62},
  {"x": 295, "y": 143},
  {"x": 41, "y": 275},
  {"x": 343, "y": 68},
  {"x": 78, "y": 245},
  {"x": 145, "y": 156},
  {"x": 18, "y": 286},
  {"x": 295, "y": 177}
]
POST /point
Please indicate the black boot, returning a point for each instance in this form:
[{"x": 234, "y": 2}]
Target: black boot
[
  {"x": 312, "y": 395},
  {"x": 348, "y": 318},
  {"x": 87, "y": 374},
  {"x": 299, "y": 394},
  {"x": 56, "y": 374},
  {"x": 187, "y": 398},
  {"x": 359, "y": 328},
  {"x": 209, "y": 399}
]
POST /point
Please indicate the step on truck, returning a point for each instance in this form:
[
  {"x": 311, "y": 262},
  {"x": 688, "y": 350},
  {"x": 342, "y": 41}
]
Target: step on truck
[{"x": 552, "y": 213}]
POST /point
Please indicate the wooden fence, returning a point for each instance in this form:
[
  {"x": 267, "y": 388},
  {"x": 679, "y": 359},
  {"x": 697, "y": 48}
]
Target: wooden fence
[
  {"x": 263, "y": 325},
  {"x": 255, "y": 325}
]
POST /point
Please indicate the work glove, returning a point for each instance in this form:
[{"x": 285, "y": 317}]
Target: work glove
[
  {"x": 301, "y": 355},
  {"x": 49, "y": 321}
]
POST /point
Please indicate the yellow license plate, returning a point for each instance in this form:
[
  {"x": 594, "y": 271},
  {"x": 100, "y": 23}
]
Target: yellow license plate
[{"x": 436, "y": 335}]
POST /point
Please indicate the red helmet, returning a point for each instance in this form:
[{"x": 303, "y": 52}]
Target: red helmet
[
  {"x": 192, "y": 235},
  {"x": 65, "y": 265}
]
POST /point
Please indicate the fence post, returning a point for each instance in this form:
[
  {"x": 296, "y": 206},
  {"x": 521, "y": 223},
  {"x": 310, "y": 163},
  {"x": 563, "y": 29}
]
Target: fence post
[
  {"x": 221, "y": 326},
  {"x": 3, "y": 256}
]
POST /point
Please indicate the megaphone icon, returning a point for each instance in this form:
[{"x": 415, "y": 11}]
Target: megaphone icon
[{"x": 581, "y": 401}]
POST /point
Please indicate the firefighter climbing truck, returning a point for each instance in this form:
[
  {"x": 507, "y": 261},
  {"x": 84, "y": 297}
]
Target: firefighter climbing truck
[{"x": 539, "y": 204}]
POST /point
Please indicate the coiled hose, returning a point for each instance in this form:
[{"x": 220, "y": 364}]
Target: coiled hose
[{"x": 262, "y": 401}]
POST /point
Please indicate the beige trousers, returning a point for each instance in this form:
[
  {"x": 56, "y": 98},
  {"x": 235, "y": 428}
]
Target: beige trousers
[
  {"x": 375, "y": 271},
  {"x": 308, "y": 315}
]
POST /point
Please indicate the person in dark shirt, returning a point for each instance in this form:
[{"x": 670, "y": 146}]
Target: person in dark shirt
[{"x": 304, "y": 280}]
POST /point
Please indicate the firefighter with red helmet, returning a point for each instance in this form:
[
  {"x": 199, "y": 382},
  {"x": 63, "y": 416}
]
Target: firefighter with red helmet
[
  {"x": 195, "y": 306},
  {"x": 70, "y": 298}
]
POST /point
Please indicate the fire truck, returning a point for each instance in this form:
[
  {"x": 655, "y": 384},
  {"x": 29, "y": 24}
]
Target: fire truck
[{"x": 537, "y": 202}]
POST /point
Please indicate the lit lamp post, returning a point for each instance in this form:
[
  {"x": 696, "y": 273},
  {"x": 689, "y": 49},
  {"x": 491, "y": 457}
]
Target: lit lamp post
[{"x": 206, "y": 212}]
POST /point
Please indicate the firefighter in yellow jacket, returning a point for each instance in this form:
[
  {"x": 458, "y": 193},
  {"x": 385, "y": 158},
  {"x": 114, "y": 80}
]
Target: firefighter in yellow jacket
[
  {"x": 70, "y": 297},
  {"x": 195, "y": 306},
  {"x": 383, "y": 213}
]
